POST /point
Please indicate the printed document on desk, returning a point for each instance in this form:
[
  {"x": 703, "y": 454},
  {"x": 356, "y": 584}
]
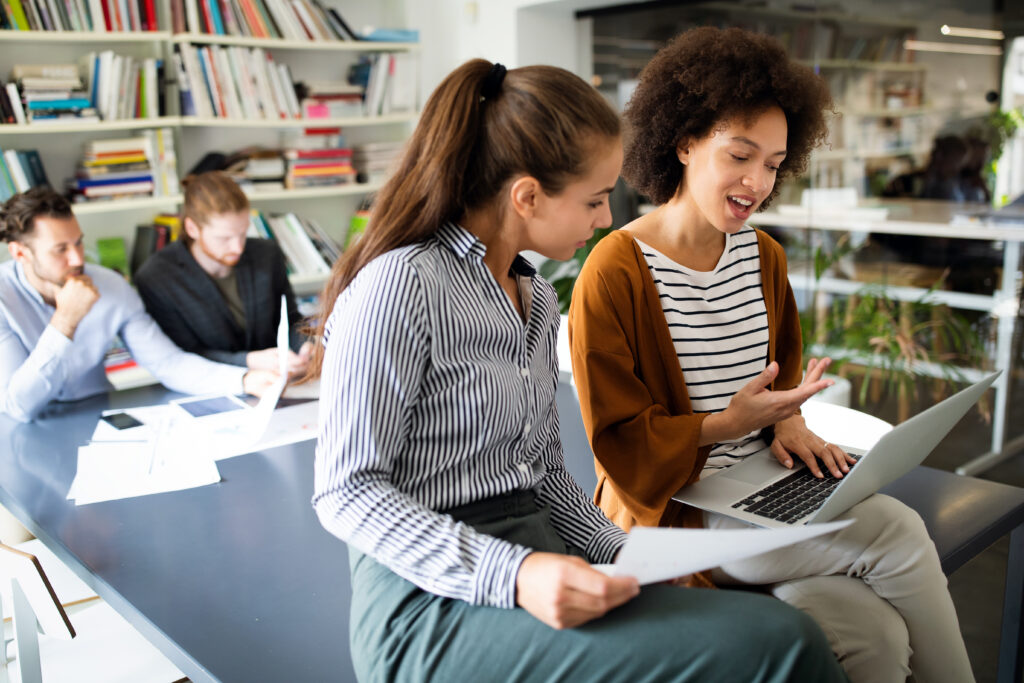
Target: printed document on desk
[
  {"x": 111, "y": 471},
  {"x": 654, "y": 554}
]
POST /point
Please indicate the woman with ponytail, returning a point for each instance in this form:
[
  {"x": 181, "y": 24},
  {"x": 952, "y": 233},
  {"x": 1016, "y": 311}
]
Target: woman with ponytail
[{"x": 439, "y": 461}]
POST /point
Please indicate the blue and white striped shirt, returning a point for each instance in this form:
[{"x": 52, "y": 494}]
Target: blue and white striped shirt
[
  {"x": 433, "y": 395},
  {"x": 719, "y": 327}
]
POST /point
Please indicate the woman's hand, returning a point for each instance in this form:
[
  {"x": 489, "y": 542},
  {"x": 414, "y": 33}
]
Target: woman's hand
[
  {"x": 793, "y": 436},
  {"x": 564, "y": 591},
  {"x": 755, "y": 406}
]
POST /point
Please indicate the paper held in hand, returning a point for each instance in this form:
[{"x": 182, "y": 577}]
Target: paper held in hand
[{"x": 654, "y": 554}]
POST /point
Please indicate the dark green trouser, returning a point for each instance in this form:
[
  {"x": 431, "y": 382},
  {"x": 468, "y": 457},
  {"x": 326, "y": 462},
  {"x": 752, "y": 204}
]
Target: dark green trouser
[{"x": 401, "y": 633}]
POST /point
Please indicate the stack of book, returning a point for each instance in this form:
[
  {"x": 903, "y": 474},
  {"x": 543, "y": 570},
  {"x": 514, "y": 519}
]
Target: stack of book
[
  {"x": 126, "y": 168},
  {"x": 374, "y": 160},
  {"x": 20, "y": 171},
  {"x": 79, "y": 15},
  {"x": 319, "y": 167},
  {"x": 259, "y": 171},
  {"x": 289, "y": 19},
  {"x": 234, "y": 82},
  {"x": 48, "y": 93},
  {"x": 330, "y": 99},
  {"x": 308, "y": 250}
]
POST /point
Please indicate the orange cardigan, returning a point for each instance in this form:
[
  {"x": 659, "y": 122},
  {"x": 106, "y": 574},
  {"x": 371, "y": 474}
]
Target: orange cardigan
[{"x": 635, "y": 406}]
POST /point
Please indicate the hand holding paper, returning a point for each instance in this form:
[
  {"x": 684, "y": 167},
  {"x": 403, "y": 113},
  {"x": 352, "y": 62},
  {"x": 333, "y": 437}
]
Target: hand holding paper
[{"x": 654, "y": 554}]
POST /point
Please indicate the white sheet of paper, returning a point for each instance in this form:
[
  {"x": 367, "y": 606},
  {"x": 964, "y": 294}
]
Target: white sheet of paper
[
  {"x": 282, "y": 339},
  {"x": 654, "y": 554},
  {"x": 111, "y": 471}
]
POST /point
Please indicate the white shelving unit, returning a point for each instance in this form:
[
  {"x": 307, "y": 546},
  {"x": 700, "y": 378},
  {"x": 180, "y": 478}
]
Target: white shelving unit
[
  {"x": 347, "y": 122},
  {"x": 83, "y": 37},
  {"x": 282, "y": 44},
  {"x": 120, "y": 205},
  {"x": 60, "y": 144},
  {"x": 88, "y": 127}
]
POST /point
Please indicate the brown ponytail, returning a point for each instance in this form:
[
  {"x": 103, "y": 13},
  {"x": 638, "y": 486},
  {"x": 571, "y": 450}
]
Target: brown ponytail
[
  {"x": 539, "y": 120},
  {"x": 209, "y": 194}
]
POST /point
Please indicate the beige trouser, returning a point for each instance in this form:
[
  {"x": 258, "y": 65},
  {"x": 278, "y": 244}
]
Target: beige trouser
[{"x": 876, "y": 588}]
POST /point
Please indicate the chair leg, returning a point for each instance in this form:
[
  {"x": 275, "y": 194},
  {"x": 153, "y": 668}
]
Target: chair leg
[{"x": 1011, "y": 644}]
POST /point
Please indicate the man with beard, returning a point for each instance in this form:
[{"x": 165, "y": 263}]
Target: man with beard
[
  {"x": 216, "y": 293},
  {"x": 58, "y": 316}
]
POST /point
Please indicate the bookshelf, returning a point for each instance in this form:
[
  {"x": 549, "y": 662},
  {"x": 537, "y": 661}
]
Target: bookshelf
[{"x": 59, "y": 144}]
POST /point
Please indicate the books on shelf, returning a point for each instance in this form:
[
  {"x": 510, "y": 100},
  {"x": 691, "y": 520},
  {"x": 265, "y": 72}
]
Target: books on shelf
[
  {"x": 123, "y": 87},
  {"x": 389, "y": 80},
  {"x": 20, "y": 170},
  {"x": 373, "y": 161},
  {"x": 308, "y": 249},
  {"x": 104, "y": 86},
  {"x": 44, "y": 93},
  {"x": 319, "y": 167},
  {"x": 289, "y": 19},
  {"x": 258, "y": 170},
  {"x": 234, "y": 82},
  {"x": 151, "y": 237},
  {"x": 126, "y": 168},
  {"x": 320, "y": 99},
  {"x": 79, "y": 15}
]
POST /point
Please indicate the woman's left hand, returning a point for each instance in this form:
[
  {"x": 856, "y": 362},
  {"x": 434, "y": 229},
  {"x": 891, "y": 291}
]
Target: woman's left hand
[{"x": 792, "y": 437}]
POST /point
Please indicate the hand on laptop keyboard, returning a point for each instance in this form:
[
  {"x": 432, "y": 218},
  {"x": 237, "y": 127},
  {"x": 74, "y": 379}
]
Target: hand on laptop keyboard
[{"x": 793, "y": 440}]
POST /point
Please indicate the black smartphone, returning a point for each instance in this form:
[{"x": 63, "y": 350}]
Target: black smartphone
[{"x": 121, "y": 420}]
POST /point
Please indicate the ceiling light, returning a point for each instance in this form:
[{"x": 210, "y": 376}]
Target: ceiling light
[
  {"x": 963, "y": 32},
  {"x": 959, "y": 48}
]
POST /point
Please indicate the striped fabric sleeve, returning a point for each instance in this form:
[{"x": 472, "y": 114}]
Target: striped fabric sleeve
[
  {"x": 577, "y": 520},
  {"x": 377, "y": 349}
]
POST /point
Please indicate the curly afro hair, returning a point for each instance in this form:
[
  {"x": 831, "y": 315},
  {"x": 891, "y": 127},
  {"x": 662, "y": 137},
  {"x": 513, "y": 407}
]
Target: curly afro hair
[{"x": 704, "y": 78}]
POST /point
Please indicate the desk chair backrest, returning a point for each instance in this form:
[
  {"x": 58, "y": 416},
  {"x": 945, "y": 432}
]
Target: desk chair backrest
[{"x": 32, "y": 601}]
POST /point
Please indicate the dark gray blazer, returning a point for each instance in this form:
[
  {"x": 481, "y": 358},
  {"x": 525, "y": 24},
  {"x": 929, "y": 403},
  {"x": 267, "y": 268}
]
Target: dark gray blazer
[{"x": 187, "y": 305}]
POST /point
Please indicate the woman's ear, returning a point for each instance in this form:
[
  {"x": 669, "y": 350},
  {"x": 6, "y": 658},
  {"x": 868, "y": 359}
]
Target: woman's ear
[
  {"x": 523, "y": 195},
  {"x": 683, "y": 151}
]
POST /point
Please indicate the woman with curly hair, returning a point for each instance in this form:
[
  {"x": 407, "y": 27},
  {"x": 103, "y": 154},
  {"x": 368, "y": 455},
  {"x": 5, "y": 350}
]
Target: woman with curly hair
[{"x": 686, "y": 351}]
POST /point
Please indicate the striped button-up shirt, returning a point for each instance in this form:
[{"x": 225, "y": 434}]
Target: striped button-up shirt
[{"x": 435, "y": 394}]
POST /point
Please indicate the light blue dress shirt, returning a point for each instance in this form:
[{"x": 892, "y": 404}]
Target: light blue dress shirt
[{"x": 38, "y": 364}]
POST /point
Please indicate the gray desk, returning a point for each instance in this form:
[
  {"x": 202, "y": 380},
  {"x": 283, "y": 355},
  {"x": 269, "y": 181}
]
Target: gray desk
[
  {"x": 234, "y": 582},
  {"x": 239, "y": 582}
]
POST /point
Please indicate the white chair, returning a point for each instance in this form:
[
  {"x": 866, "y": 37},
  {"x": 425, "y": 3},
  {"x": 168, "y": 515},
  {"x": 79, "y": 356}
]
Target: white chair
[{"x": 100, "y": 646}]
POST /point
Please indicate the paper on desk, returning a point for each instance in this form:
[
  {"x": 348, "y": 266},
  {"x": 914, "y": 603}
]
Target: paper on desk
[
  {"x": 655, "y": 554},
  {"x": 111, "y": 471}
]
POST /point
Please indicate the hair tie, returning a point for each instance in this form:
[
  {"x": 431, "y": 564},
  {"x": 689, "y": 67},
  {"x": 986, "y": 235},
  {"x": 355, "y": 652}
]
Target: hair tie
[{"x": 492, "y": 82}]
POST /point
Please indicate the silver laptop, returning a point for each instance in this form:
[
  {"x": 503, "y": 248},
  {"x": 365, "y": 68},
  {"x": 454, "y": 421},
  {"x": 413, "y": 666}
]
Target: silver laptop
[{"x": 762, "y": 492}]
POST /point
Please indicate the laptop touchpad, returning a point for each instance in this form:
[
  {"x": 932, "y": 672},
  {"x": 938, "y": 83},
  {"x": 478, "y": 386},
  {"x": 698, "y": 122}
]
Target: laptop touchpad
[{"x": 757, "y": 470}]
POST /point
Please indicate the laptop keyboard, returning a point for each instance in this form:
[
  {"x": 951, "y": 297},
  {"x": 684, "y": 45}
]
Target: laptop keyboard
[{"x": 791, "y": 498}]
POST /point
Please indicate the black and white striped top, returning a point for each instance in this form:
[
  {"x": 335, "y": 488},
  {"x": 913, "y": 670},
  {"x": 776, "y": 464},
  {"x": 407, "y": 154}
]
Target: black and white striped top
[
  {"x": 435, "y": 394},
  {"x": 719, "y": 326}
]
